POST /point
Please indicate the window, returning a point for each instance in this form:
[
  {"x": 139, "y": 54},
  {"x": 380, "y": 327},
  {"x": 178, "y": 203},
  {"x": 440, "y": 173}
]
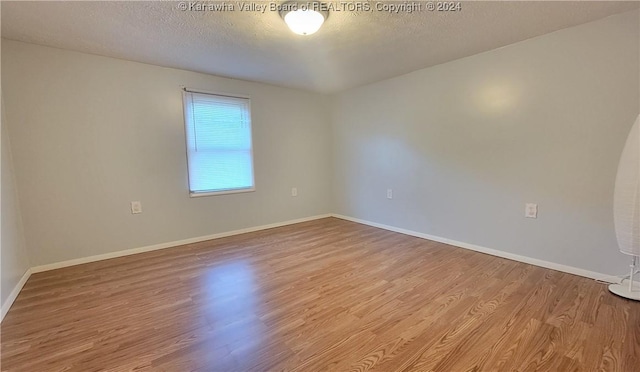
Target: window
[{"x": 219, "y": 147}]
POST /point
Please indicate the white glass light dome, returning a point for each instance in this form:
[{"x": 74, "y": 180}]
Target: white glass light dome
[
  {"x": 304, "y": 22},
  {"x": 304, "y": 17}
]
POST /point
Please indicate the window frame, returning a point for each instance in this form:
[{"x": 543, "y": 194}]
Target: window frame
[{"x": 198, "y": 194}]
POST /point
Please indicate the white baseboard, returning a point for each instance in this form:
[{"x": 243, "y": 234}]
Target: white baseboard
[
  {"x": 493, "y": 252},
  {"x": 127, "y": 252},
  {"x": 57, "y": 265},
  {"x": 14, "y": 294}
]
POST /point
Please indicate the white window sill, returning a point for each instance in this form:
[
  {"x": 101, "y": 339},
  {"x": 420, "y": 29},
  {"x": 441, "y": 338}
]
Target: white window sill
[{"x": 222, "y": 192}]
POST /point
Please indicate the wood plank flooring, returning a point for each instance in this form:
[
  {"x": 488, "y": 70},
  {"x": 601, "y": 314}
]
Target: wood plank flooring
[{"x": 317, "y": 296}]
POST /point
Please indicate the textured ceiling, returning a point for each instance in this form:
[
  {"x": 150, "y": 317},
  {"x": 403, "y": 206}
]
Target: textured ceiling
[{"x": 351, "y": 49}]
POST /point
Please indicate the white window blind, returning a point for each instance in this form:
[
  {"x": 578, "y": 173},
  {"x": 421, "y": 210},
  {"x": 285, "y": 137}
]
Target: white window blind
[{"x": 219, "y": 146}]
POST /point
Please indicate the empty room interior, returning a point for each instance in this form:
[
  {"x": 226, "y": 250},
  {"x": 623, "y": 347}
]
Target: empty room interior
[{"x": 320, "y": 186}]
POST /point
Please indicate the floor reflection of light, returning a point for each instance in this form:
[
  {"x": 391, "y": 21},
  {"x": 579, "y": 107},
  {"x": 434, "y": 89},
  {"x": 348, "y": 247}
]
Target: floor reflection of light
[{"x": 231, "y": 307}]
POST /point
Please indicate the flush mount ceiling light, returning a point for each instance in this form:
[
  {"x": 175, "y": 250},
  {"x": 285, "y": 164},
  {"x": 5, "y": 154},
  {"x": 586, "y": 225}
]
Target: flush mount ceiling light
[{"x": 304, "y": 18}]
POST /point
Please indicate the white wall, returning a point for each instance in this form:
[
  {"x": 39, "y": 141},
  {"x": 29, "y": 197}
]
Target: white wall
[
  {"x": 14, "y": 262},
  {"x": 464, "y": 145},
  {"x": 90, "y": 134}
]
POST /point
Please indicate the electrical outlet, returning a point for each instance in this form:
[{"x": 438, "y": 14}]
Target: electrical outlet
[
  {"x": 389, "y": 194},
  {"x": 136, "y": 207},
  {"x": 294, "y": 191},
  {"x": 531, "y": 210}
]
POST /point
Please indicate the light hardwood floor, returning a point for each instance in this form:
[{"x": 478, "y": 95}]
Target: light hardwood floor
[{"x": 321, "y": 295}]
